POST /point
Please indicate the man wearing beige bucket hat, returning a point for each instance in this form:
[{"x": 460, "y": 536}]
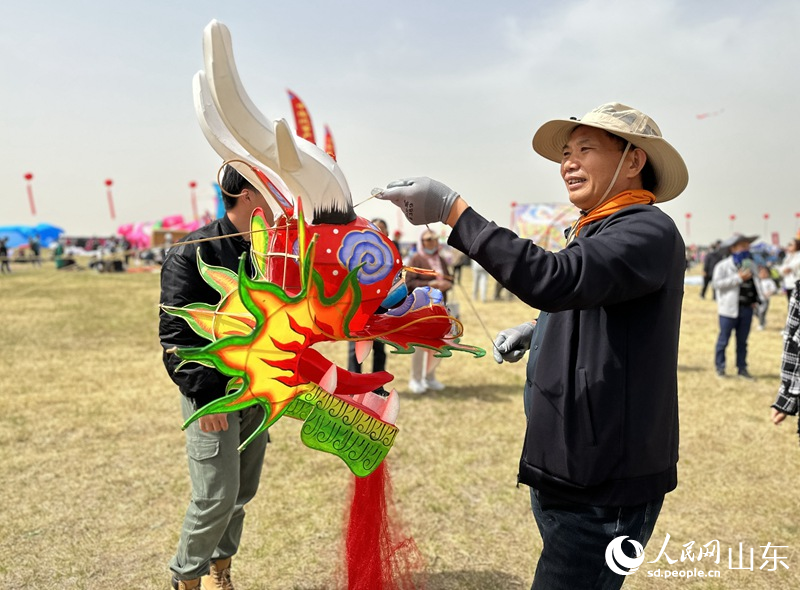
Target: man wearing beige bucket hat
[{"x": 601, "y": 445}]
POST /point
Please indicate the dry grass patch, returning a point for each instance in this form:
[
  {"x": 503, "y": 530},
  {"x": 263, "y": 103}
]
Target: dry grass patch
[{"x": 94, "y": 479}]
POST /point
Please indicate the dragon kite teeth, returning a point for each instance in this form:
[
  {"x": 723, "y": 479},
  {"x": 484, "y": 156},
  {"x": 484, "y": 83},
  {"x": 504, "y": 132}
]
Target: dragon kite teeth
[{"x": 363, "y": 350}]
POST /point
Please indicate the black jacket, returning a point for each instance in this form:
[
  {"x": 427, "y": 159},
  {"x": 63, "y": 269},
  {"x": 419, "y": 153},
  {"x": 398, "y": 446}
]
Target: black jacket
[
  {"x": 182, "y": 284},
  {"x": 711, "y": 260},
  {"x": 602, "y": 387}
]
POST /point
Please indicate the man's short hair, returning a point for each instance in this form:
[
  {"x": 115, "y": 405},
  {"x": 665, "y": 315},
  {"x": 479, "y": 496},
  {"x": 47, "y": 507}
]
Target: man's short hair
[{"x": 232, "y": 183}]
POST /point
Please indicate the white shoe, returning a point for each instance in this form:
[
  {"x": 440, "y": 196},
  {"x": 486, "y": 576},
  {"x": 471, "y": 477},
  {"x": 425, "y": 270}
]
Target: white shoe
[
  {"x": 434, "y": 385},
  {"x": 417, "y": 387}
]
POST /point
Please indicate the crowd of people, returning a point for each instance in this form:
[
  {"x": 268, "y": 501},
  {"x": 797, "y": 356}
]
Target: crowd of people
[
  {"x": 103, "y": 254},
  {"x": 738, "y": 273},
  {"x": 742, "y": 280},
  {"x": 30, "y": 253}
]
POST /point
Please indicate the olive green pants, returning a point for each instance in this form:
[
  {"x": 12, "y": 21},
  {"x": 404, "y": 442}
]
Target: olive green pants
[{"x": 223, "y": 481}]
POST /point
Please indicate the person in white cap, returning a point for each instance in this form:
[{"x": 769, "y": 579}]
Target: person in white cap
[
  {"x": 738, "y": 296},
  {"x": 601, "y": 395},
  {"x": 790, "y": 267}
]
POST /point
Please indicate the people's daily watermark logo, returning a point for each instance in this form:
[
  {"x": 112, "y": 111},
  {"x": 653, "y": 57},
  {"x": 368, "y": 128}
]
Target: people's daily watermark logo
[
  {"x": 616, "y": 558},
  {"x": 772, "y": 558}
]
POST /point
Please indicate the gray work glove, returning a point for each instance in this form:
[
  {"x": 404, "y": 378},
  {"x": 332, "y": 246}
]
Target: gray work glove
[
  {"x": 422, "y": 199},
  {"x": 512, "y": 344}
]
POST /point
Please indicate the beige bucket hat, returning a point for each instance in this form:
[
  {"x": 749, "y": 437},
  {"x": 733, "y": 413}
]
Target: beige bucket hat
[{"x": 630, "y": 124}]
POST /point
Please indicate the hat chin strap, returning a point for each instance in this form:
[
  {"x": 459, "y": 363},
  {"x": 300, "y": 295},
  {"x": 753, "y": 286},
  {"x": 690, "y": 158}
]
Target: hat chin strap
[{"x": 613, "y": 179}]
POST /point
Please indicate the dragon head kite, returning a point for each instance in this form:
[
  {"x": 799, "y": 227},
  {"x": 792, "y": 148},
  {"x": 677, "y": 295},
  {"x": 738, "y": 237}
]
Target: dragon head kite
[{"x": 335, "y": 278}]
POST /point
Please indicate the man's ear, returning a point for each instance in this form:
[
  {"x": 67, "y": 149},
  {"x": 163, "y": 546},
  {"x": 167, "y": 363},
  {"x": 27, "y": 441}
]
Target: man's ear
[{"x": 638, "y": 160}]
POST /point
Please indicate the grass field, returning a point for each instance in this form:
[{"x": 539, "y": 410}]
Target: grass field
[{"x": 93, "y": 478}]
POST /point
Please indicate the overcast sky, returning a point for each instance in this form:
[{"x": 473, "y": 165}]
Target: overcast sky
[{"x": 450, "y": 89}]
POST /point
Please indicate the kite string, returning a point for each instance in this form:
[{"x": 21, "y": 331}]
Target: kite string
[
  {"x": 478, "y": 316},
  {"x": 212, "y": 238},
  {"x": 373, "y": 193},
  {"x": 234, "y": 235}
]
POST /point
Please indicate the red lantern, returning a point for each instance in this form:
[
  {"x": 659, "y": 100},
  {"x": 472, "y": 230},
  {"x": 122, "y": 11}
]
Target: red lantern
[
  {"x": 192, "y": 185},
  {"x": 110, "y": 198},
  {"x": 28, "y": 176}
]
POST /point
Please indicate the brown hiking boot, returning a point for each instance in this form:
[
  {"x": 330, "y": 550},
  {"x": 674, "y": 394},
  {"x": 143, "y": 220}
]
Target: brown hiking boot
[
  {"x": 186, "y": 584},
  {"x": 219, "y": 578}
]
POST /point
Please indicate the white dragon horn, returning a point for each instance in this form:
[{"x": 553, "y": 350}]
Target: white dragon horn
[
  {"x": 226, "y": 145},
  {"x": 306, "y": 169}
]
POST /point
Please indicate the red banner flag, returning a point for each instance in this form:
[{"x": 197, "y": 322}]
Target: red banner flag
[
  {"x": 329, "y": 149},
  {"x": 301, "y": 118}
]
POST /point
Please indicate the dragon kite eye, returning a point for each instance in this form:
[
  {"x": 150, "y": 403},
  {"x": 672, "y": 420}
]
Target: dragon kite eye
[{"x": 369, "y": 249}]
